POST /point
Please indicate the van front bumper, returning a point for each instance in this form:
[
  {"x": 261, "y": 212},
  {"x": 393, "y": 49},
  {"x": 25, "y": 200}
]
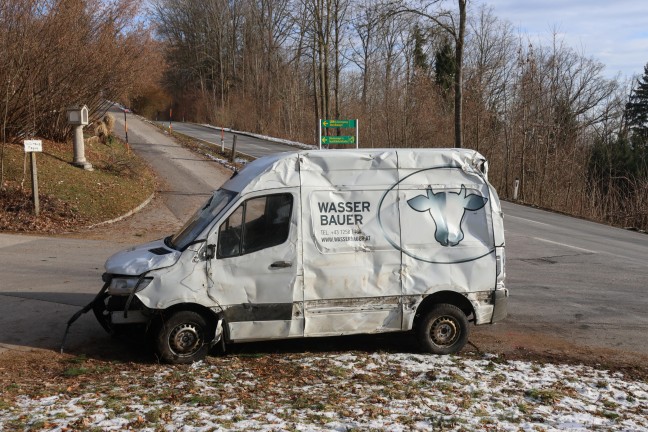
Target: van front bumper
[{"x": 112, "y": 311}]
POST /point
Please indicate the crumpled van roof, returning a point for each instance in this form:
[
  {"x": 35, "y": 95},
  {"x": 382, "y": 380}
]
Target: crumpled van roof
[{"x": 282, "y": 169}]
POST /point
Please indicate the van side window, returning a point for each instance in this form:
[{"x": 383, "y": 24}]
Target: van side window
[{"x": 256, "y": 224}]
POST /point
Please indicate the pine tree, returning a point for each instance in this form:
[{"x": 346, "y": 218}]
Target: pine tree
[
  {"x": 637, "y": 110},
  {"x": 444, "y": 66},
  {"x": 420, "y": 57}
]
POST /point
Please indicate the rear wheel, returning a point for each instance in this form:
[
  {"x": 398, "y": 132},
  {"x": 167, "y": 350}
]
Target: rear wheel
[
  {"x": 183, "y": 338},
  {"x": 443, "y": 330}
]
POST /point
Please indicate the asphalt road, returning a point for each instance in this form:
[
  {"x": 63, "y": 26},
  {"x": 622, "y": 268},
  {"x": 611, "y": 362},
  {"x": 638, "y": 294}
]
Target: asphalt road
[
  {"x": 578, "y": 280},
  {"x": 583, "y": 282},
  {"x": 249, "y": 145}
]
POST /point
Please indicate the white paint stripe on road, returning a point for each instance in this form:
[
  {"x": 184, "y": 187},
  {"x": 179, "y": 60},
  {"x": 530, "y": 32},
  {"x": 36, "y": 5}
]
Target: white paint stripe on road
[
  {"x": 507, "y": 216},
  {"x": 563, "y": 244},
  {"x": 8, "y": 240}
]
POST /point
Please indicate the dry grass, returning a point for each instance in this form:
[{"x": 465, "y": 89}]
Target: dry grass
[
  {"x": 290, "y": 391},
  {"x": 71, "y": 197}
]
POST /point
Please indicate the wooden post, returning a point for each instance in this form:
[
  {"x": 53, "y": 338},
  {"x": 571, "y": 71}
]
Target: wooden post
[
  {"x": 233, "y": 156},
  {"x": 126, "y": 131},
  {"x": 34, "y": 178}
]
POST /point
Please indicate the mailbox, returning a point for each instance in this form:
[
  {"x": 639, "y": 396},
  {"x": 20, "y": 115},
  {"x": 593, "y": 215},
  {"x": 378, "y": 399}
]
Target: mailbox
[{"x": 77, "y": 115}]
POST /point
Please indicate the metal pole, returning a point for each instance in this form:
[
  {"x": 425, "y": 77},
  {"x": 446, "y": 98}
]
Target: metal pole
[
  {"x": 233, "y": 156},
  {"x": 170, "y": 118},
  {"x": 319, "y": 133},
  {"x": 357, "y": 133},
  {"x": 34, "y": 178}
]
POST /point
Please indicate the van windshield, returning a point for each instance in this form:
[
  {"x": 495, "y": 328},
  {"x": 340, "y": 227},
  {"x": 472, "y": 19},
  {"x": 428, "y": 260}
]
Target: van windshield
[{"x": 199, "y": 221}]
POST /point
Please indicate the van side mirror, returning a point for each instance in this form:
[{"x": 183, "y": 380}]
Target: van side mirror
[{"x": 210, "y": 252}]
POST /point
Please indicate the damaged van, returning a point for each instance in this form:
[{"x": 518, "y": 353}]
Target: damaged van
[{"x": 322, "y": 243}]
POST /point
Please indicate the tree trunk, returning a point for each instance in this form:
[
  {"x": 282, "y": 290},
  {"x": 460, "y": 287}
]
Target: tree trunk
[{"x": 459, "y": 75}]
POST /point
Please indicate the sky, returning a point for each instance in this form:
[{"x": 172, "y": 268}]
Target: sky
[{"x": 615, "y": 32}]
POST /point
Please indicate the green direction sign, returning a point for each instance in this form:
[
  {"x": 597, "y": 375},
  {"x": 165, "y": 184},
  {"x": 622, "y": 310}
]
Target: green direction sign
[
  {"x": 338, "y": 140},
  {"x": 339, "y": 124}
]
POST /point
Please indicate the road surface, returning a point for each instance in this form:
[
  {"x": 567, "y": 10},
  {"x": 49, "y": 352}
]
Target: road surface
[
  {"x": 582, "y": 282},
  {"x": 249, "y": 145}
]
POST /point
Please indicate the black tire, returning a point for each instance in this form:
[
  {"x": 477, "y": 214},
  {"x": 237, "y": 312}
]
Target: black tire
[
  {"x": 443, "y": 330},
  {"x": 183, "y": 337}
]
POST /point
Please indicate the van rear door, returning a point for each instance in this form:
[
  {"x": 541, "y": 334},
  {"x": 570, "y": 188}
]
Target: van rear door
[{"x": 446, "y": 229}]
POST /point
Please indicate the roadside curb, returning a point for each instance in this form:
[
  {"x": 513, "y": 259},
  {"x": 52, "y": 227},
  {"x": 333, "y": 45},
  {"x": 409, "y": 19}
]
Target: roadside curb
[
  {"x": 287, "y": 142},
  {"x": 125, "y": 215},
  {"x": 225, "y": 162}
]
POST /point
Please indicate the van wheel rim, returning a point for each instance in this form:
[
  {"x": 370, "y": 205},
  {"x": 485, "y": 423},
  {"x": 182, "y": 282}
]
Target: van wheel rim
[
  {"x": 444, "y": 331},
  {"x": 185, "y": 339}
]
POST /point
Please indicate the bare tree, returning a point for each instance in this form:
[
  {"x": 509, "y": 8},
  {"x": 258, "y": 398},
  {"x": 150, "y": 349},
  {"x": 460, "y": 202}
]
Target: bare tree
[{"x": 445, "y": 19}]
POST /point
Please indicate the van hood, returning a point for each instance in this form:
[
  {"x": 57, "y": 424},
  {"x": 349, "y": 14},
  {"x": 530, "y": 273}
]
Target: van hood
[{"x": 142, "y": 258}]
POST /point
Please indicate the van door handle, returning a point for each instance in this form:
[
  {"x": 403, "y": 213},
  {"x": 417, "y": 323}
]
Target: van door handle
[{"x": 281, "y": 264}]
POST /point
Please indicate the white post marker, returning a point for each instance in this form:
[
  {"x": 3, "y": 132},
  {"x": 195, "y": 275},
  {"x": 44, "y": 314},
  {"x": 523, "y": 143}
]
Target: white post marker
[
  {"x": 32, "y": 147},
  {"x": 78, "y": 116},
  {"x": 516, "y": 188},
  {"x": 319, "y": 133},
  {"x": 357, "y": 128}
]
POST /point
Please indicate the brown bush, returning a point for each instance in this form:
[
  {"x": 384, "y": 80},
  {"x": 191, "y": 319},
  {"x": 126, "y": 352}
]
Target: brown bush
[
  {"x": 58, "y": 53},
  {"x": 109, "y": 122}
]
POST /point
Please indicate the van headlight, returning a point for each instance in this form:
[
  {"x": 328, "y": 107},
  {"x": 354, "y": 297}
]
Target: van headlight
[{"x": 125, "y": 285}]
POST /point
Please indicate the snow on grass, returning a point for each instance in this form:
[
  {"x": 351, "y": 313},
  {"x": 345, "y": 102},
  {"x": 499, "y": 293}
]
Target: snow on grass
[{"x": 337, "y": 392}]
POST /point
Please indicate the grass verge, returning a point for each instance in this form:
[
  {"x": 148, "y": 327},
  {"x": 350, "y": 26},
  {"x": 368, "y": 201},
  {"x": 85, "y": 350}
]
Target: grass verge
[
  {"x": 207, "y": 149},
  {"x": 70, "y": 197}
]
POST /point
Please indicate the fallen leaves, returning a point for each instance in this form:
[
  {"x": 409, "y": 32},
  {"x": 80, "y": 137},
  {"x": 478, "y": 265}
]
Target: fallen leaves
[{"x": 324, "y": 391}]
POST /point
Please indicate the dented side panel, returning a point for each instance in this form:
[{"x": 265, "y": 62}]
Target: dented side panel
[
  {"x": 263, "y": 287},
  {"x": 349, "y": 263},
  {"x": 447, "y": 235}
]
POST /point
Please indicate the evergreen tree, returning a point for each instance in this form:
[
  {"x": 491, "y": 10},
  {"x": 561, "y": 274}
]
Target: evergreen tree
[
  {"x": 637, "y": 110},
  {"x": 614, "y": 165},
  {"x": 420, "y": 57},
  {"x": 618, "y": 163},
  {"x": 444, "y": 66}
]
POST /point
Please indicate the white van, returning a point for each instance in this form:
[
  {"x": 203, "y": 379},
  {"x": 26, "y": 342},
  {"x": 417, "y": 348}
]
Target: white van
[{"x": 322, "y": 243}]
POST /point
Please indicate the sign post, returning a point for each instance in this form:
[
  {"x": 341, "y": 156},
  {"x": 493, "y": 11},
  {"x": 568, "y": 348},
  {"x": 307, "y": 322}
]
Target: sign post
[
  {"x": 339, "y": 124},
  {"x": 233, "y": 154},
  {"x": 32, "y": 147},
  {"x": 126, "y": 131}
]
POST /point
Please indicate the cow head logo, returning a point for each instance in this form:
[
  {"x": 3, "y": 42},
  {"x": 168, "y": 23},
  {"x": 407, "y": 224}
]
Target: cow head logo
[{"x": 448, "y": 210}]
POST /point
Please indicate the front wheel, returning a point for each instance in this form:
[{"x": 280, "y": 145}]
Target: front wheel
[
  {"x": 443, "y": 330},
  {"x": 183, "y": 338}
]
